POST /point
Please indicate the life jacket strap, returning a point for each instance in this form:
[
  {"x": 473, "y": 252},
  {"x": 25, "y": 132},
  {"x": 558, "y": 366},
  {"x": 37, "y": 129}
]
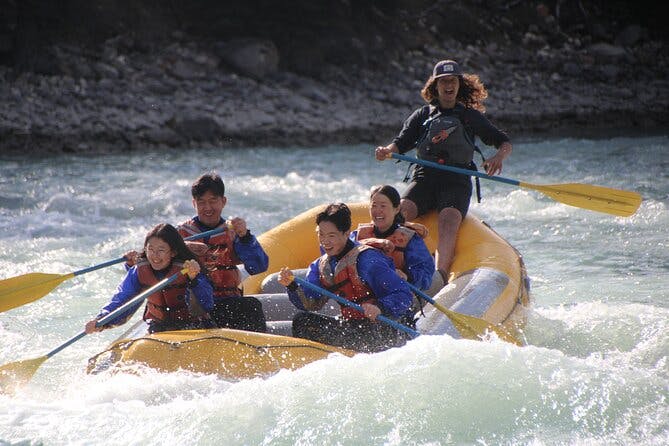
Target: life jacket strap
[
  {"x": 223, "y": 268},
  {"x": 338, "y": 285}
]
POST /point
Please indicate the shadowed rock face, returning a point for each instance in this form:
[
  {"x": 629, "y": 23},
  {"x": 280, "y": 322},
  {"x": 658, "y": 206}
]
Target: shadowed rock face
[{"x": 107, "y": 75}]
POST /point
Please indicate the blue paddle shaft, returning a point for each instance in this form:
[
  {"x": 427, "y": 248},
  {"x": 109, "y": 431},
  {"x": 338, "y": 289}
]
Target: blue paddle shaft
[
  {"x": 206, "y": 234},
  {"x": 67, "y": 343},
  {"x": 420, "y": 293},
  {"x": 137, "y": 299},
  {"x": 454, "y": 169},
  {"x": 99, "y": 266},
  {"x": 111, "y": 316},
  {"x": 121, "y": 259},
  {"x": 353, "y": 305}
]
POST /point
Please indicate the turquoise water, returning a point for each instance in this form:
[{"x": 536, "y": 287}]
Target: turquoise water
[{"x": 595, "y": 372}]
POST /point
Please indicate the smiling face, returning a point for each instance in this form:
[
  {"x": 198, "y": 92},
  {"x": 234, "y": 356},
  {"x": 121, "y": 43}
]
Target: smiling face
[
  {"x": 447, "y": 90},
  {"x": 158, "y": 253},
  {"x": 209, "y": 207},
  {"x": 332, "y": 240},
  {"x": 382, "y": 211}
]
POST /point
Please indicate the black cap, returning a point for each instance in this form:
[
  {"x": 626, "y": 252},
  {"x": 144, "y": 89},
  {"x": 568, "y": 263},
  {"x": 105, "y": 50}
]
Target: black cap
[{"x": 446, "y": 68}]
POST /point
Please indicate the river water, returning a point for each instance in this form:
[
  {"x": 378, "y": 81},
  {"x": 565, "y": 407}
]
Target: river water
[{"x": 595, "y": 372}]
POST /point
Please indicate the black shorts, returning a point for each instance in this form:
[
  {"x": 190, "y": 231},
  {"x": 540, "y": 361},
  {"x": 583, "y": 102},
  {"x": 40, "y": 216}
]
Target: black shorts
[
  {"x": 240, "y": 313},
  {"x": 360, "y": 335},
  {"x": 437, "y": 192}
]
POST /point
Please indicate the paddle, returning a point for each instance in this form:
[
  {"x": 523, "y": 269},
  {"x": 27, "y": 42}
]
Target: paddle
[
  {"x": 17, "y": 373},
  {"x": 595, "y": 198},
  {"x": 470, "y": 327},
  {"x": 21, "y": 290},
  {"x": 413, "y": 333}
]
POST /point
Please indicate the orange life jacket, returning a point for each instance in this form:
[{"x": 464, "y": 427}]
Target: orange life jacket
[
  {"x": 346, "y": 282},
  {"x": 169, "y": 304},
  {"x": 400, "y": 239},
  {"x": 220, "y": 260}
]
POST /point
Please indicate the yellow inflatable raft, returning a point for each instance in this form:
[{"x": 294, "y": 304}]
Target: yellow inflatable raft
[
  {"x": 488, "y": 281},
  {"x": 232, "y": 354}
]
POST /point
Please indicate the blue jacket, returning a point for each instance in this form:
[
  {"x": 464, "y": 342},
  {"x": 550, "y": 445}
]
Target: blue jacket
[
  {"x": 377, "y": 271},
  {"x": 130, "y": 287},
  {"x": 418, "y": 262}
]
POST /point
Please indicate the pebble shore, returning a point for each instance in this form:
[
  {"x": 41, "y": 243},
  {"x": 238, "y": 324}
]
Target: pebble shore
[{"x": 118, "y": 99}]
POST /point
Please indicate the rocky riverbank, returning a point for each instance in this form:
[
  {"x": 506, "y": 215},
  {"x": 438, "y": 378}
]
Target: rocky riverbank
[{"x": 123, "y": 94}]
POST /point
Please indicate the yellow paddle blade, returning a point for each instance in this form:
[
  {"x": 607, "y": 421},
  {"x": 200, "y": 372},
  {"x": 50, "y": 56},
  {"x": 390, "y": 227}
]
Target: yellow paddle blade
[
  {"x": 16, "y": 374},
  {"x": 595, "y": 198},
  {"x": 20, "y": 290},
  {"x": 471, "y": 327}
]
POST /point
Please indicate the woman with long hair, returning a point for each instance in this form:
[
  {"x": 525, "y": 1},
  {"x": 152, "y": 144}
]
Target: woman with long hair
[
  {"x": 444, "y": 131},
  {"x": 183, "y": 304}
]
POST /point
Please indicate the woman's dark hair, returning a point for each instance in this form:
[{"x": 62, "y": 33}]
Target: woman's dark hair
[
  {"x": 208, "y": 182},
  {"x": 471, "y": 93},
  {"x": 168, "y": 233},
  {"x": 393, "y": 196},
  {"x": 338, "y": 214}
]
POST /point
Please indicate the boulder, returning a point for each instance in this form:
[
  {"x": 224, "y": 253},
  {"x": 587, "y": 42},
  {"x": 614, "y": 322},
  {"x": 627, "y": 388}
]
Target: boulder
[
  {"x": 196, "y": 128},
  {"x": 250, "y": 57}
]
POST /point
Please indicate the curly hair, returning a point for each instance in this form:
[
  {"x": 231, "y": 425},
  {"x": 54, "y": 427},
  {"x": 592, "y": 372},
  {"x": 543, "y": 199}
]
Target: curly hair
[{"x": 471, "y": 93}]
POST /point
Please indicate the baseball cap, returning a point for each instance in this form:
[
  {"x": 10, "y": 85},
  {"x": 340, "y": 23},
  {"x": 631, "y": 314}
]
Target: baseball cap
[{"x": 446, "y": 68}]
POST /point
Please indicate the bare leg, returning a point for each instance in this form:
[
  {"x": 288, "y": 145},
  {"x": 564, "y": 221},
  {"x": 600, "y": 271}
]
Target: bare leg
[
  {"x": 408, "y": 209},
  {"x": 449, "y": 223}
]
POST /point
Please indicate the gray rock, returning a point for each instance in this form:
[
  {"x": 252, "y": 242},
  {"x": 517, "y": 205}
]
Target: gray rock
[
  {"x": 610, "y": 72},
  {"x": 631, "y": 35},
  {"x": 161, "y": 135},
  {"x": 198, "y": 128},
  {"x": 571, "y": 69},
  {"x": 106, "y": 71},
  {"x": 156, "y": 87},
  {"x": 605, "y": 51},
  {"x": 106, "y": 84},
  {"x": 250, "y": 57},
  {"x": 316, "y": 94},
  {"x": 186, "y": 69}
]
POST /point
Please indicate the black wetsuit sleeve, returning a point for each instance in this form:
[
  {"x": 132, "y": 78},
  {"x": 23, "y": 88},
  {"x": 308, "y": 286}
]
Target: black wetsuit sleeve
[
  {"x": 484, "y": 129},
  {"x": 411, "y": 130}
]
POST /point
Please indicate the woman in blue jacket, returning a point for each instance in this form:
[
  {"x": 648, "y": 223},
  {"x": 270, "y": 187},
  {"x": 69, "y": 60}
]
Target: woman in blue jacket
[
  {"x": 401, "y": 241},
  {"x": 183, "y": 305}
]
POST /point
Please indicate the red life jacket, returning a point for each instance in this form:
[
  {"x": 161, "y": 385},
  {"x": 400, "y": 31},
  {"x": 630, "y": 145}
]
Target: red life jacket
[
  {"x": 169, "y": 304},
  {"x": 220, "y": 260},
  {"x": 346, "y": 282},
  {"x": 400, "y": 238}
]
